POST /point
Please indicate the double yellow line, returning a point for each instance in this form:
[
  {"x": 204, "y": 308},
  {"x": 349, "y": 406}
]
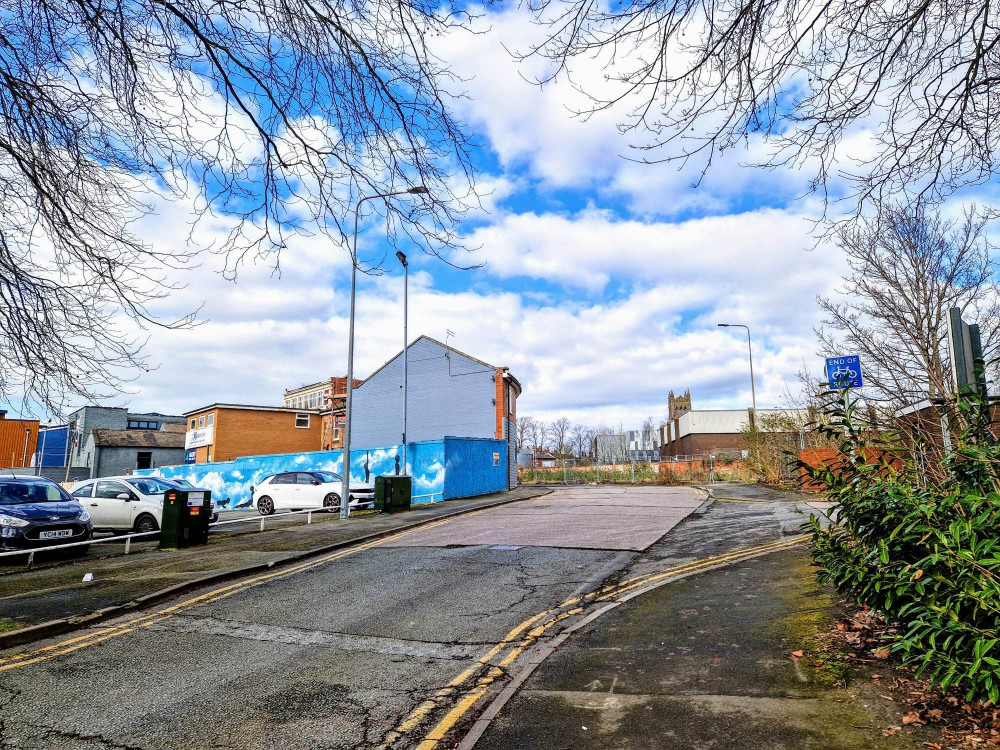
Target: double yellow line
[
  {"x": 521, "y": 642},
  {"x": 99, "y": 636}
]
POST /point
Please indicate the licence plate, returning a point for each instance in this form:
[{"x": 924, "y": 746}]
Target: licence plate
[{"x": 55, "y": 534}]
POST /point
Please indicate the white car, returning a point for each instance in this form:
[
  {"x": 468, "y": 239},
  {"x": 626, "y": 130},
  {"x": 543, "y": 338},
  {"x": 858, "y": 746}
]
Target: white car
[
  {"x": 126, "y": 503},
  {"x": 301, "y": 490}
]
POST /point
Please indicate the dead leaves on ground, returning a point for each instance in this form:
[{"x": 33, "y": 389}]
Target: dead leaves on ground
[{"x": 963, "y": 725}]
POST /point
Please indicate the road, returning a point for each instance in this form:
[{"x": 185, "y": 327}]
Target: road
[{"x": 398, "y": 643}]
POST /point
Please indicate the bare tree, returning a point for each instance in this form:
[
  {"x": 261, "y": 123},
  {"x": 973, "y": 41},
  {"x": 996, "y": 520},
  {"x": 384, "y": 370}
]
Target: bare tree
[
  {"x": 579, "y": 438},
  {"x": 906, "y": 269},
  {"x": 539, "y": 431},
  {"x": 265, "y": 118},
  {"x": 648, "y": 433},
  {"x": 525, "y": 431},
  {"x": 695, "y": 79},
  {"x": 559, "y": 432}
]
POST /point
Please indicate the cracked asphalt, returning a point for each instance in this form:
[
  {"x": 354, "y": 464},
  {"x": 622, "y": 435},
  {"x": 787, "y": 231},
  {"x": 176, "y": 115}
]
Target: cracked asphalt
[{"x": 345, "y": 651}]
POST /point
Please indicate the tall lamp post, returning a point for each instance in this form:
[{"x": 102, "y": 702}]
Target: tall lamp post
[
  {"x": 753, "y": 391},
  {"x": 345, "y": 486},
  {"x": 406, "y": 286}
]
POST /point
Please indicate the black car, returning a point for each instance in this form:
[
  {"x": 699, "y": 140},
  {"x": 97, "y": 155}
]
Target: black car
[{"x": 36, "y": 512}]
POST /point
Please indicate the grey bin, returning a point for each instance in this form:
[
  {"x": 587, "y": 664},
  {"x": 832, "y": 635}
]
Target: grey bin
[{"x": 392, "y": 493}]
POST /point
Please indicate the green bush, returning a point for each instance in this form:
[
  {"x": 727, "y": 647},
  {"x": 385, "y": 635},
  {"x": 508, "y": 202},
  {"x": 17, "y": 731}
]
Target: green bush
[{"x": 920, "y": 544}]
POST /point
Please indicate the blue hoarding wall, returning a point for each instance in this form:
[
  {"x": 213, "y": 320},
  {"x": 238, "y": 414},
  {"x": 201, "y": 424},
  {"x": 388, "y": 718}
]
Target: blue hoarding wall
[
  {"x": 230, "y": 481},
  {"x": 474, "y": 466},
  {"x": 53, "y": 441}
]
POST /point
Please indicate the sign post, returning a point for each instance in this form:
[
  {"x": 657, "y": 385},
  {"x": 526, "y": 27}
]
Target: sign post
[{"x": 844, "y": 372}]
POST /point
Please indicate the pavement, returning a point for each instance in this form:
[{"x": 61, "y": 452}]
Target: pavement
[{"x": 496, "y": 629}]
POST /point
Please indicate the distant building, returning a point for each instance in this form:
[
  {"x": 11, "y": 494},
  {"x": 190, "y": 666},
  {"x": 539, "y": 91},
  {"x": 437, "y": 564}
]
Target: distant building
[
  {"x": 643, "y": 446},
  {"x": 449, "y": 394},
  {"x": 329, "y": 396},
  {"x": 106, "y": 441},
  {"x": 224, "y": 432},
  {"x": 696, "y": 432},
  {"x": 17, "y": 441}
]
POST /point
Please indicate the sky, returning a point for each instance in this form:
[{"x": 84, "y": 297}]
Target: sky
[{"x": 601, "y": 285}]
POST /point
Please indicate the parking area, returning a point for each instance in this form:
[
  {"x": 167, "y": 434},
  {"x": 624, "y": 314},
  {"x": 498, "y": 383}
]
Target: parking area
[{"x": 610, "y": 518}]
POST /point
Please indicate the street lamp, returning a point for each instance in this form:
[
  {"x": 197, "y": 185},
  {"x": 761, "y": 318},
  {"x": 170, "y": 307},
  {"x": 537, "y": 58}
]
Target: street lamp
[
  {"x": 753, "y": 392},
  {"x": 345, "y": 486},
  {"x": 406, "y": 284}
]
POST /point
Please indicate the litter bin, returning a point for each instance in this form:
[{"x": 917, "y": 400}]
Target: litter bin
[
  {"x": 186, "y": 515},
  {"x": 392, "y": 493}
]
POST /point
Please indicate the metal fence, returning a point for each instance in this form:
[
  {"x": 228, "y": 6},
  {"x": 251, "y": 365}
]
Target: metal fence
[
  {"x": 700, "y": 469},
  {"x": 29, "y": 554}
]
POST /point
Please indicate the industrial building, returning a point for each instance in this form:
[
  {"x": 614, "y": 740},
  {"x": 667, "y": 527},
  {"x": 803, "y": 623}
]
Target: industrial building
[
  {"x": 18, "y": 438},
  {"x": 107, "y": 440}
]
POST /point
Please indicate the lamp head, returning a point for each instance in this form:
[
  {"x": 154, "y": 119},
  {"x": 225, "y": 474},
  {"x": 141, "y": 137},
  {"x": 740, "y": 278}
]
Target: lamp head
[
  {"x": 402, "y": 257},
  {"x": 723, "y": 325}
]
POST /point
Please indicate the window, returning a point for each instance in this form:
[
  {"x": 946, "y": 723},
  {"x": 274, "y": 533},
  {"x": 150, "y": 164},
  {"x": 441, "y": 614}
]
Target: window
[
  {"x": 201, "y": 422},
  {"x": 192, "y": 423},
  {"x": 142, "y": 425},
  {"x": 284, "y": 479},
  {"x": 305, "y": 478},
  {"x": 111, "y": 490},
  {"x": 302, "y": 420},
  {"x": 151, "y": 485},
  {"x": 144, "y": 460},
  {"x": 85, "y": 491},
  {"x": 211, "y": 419}
]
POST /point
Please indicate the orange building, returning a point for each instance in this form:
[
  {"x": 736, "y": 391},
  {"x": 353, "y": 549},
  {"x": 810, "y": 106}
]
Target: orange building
[
  {"x": 18, "y": 439},
  {"x": 223, "y": 432}
]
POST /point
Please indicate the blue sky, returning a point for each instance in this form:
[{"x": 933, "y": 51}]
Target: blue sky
[{"x": 602, "y": 285}]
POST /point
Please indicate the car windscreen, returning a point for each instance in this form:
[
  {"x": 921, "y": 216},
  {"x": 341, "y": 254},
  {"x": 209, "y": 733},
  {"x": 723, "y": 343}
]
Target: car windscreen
[
  {"x": 21, "y": 491},
  {"x": 151, "y": 486},
  {"x": 326, "y": 476}
]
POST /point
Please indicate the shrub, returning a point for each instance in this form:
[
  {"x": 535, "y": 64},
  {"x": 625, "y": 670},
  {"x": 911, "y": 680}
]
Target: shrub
[{"x": 919, "y": 546}]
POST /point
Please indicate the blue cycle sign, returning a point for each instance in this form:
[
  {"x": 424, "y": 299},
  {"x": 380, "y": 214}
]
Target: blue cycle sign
[{"x": 844, "y": 372}]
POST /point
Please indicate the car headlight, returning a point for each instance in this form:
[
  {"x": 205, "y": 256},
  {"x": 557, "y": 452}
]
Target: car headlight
[
  {"x": 12, "y": 521},
  {"x": 84, "y": 516}
]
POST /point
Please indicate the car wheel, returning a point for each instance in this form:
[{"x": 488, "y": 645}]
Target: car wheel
[
  {"x": 265, "y": 506},
  {"x": 332, "y": 502},
  {"x": 145, "y": 523}
]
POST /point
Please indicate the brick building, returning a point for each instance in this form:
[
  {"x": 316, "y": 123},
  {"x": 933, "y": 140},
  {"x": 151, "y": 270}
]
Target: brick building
[
  {"x": 223, "y": 432},
  {"x": 697, "y": 432},
  {"x": 18, "y": 438}
]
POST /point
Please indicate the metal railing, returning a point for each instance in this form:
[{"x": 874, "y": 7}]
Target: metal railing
[{"x": 127, "y": 538}]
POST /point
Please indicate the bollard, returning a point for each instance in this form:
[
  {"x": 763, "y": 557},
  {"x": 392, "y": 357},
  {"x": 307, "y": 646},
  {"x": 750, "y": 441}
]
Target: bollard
[
  {"x": 31, "y": 559},
  {"x": 564, "y": 473},
  {"x": 262, "y": 523},
  {"x": 309, "y": 518},
  {"x": 128, "y": 543},
  {"x": 633, "y": 472}
]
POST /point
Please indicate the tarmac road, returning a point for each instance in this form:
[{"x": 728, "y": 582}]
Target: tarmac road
[{"x": 399, "y": 642}]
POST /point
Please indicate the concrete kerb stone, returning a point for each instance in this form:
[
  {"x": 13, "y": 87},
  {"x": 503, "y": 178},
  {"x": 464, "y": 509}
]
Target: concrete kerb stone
[{"x": 68, "y": 624}]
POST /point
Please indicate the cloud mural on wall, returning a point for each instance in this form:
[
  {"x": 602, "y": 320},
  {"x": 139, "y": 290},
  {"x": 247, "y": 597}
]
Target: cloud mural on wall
[{"x": 231, "y": 482}]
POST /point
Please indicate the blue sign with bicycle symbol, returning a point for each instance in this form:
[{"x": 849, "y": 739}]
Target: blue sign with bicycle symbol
[{"x": 844, "y": 372}]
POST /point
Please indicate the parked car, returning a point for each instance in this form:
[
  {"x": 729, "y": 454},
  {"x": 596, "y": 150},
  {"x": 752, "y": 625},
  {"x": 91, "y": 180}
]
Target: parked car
[
  {"x": 127, "y": 503},
  {"x": 301, "y": 490},
  {"x": 37, "y": 512}
]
